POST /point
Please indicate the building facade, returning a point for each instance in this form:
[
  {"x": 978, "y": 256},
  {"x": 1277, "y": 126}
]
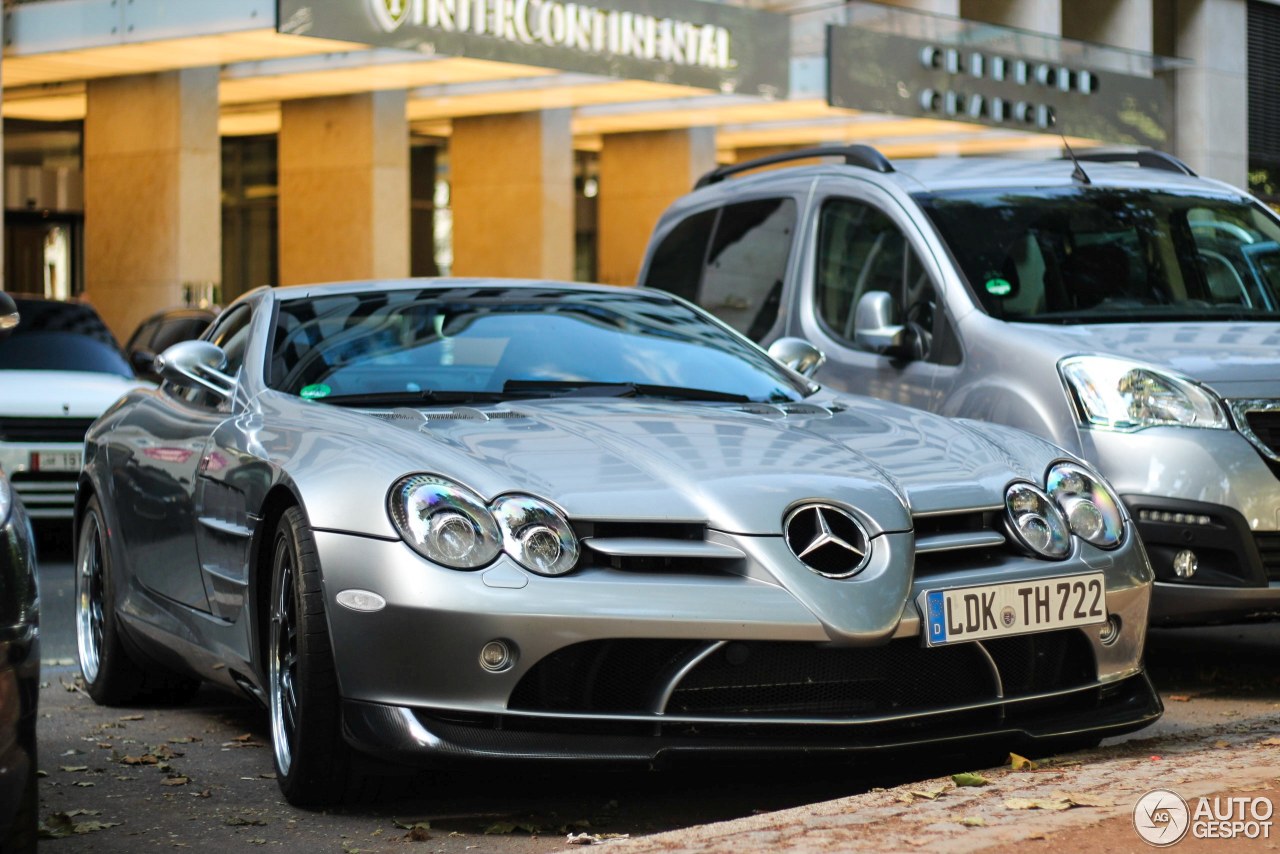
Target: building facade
[{"x": 167, "y": 151}]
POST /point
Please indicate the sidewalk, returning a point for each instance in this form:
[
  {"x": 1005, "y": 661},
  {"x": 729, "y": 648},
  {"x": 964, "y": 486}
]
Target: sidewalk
[{"x": 1101, "y": 788}]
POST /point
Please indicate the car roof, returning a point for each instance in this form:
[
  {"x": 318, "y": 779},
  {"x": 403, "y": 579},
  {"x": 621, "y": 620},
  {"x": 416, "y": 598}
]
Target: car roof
[
  {"x": 294, "y": 292},
  {"x": 944, "y": 174}
]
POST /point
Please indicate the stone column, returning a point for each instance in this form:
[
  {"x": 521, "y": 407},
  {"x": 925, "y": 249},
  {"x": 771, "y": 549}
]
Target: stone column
[
  {"x": 152, "y": 192},
  {"x": 511, "y": 186},
  {"x": 1211, "y": 98},
  {"x": 344, "y": 188},
  {"x": 1125, "y": 24},
  {"x": 640, "y": 175},
  {"x": 1041, "y": 16}
]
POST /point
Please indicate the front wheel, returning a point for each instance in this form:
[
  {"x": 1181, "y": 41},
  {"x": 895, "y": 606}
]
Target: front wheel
[
  {"x": 112, "y": 676},
  {"x": 313, "y": 762}
]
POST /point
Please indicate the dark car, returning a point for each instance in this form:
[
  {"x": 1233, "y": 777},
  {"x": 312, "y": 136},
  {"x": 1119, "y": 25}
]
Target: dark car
[
  {"x": 159, "y": 331},
  {"x": 19, "y": 660}
]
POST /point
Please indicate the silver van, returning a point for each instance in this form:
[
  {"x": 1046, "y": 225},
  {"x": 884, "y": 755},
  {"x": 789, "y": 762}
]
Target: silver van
[{"x": 1114, "y": 303}]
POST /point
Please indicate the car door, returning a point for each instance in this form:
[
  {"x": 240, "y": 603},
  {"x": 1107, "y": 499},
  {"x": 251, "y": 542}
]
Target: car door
[{"x": 861, "y": 245}]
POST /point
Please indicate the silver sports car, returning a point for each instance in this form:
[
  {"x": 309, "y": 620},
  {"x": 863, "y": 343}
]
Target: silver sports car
[{"x": 481, "y": 518}]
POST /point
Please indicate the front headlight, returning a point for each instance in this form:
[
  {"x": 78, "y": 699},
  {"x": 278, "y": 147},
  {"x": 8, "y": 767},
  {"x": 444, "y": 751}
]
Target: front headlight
[
  {"x": 536, "y": 535},
  {"x": 1117, "y": 394},
  {"x": 1092, "y": 510},
  {"x": 445, "y": 522},
  {"x": 1036, "y": 522}
]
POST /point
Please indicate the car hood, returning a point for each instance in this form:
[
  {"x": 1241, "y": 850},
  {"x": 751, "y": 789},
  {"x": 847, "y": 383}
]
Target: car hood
[
  {"x": 1234, "y": 359},
  {"x": 60, "y": 394},
  {"x": 737, "y": 469}
]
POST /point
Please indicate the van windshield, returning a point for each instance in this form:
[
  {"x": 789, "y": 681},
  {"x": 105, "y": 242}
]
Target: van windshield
[{"x": 1085, "y": 254}]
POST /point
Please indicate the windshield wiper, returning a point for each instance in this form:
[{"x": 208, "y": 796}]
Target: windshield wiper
[
  {"x": 588, "y": 388},
  {"x": 410, "y": 398}
]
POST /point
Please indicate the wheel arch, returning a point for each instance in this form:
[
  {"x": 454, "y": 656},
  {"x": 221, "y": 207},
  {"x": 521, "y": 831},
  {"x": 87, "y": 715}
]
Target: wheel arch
[{"x": 278, "y": 499}]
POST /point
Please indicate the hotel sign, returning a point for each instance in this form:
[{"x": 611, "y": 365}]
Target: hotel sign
[
  {"x": 884, "y": 73},
  {"x": 687, "y": 42}
]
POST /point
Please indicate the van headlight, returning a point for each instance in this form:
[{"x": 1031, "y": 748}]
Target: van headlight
[{"x": 1117, "y": 394}]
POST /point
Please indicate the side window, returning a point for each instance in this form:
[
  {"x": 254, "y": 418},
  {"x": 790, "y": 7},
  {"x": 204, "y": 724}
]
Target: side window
[
  {"x": 860, "y": 249},
  {"x": 742, "y": 284},
  {"x": 676, "y": 266}
]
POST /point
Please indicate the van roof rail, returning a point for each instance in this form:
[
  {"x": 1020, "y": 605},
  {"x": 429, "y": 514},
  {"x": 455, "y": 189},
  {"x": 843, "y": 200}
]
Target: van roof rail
[
  {"x": 854, "y": 155},
  {"x": 1147, "y": 158}
]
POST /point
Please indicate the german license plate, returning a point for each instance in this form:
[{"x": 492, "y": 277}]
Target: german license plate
[
  {"x": 998, "y": 610},
  {"x": 56, "y": 460}
]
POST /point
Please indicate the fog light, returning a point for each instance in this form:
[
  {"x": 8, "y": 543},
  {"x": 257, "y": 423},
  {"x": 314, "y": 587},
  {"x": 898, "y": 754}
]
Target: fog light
[
  {"x": 495, "y": 656},
  {"x": 1110, "y": 631},
  {"x": 1185, "y": 563}
]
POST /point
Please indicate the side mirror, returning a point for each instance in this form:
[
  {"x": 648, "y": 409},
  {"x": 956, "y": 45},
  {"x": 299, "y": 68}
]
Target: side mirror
[
  {"x": 199, "y": 363},
  {"x": 8, "y": 314},
  {"x": 798, "y": 355},
  {"x": 873, "y": 329}
]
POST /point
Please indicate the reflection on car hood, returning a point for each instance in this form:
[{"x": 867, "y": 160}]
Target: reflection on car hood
[
  {"x": 1234, "y": 359},
  {"x": 60, "y": 394},
  {"x": 737, "y": 468}
]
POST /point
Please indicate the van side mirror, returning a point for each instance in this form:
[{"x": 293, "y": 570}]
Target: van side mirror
[
  {"x": 8, "y": 314},
  {"x": 873, "y": 327},
  {"x": 189, "y": 363},
  {"x": 798, "y": 355}
]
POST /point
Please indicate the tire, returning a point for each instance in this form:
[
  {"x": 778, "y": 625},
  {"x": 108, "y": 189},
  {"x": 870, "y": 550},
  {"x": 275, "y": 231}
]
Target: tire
[
  {"x": 313, "y": 762},
  {"x": 112, "y": 674}
]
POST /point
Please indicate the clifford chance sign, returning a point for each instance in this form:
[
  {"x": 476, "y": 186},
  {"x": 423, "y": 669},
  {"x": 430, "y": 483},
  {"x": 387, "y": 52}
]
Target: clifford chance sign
[{"x": 904, "y": 76}]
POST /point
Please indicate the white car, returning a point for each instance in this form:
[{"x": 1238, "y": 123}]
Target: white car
[{"x": 59, "y": 370}]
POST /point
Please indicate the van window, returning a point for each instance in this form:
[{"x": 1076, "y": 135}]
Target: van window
[
  {"x": 734, "y": 270},
  {"x": 676, "y": 266}
]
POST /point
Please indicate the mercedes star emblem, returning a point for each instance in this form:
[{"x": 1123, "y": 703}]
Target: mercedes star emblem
[{"x": 827, "y": 539}]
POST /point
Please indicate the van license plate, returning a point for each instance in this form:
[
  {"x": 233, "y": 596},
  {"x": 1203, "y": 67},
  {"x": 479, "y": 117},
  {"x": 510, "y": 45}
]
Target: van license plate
[
  {"x": 1016, "y": 608},
  {"x": 56, "y": 461}
]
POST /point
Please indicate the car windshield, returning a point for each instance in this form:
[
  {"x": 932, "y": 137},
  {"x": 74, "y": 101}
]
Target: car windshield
[
  {"x": 54, "y": 336},
  {"x": 1084, "y": 254},
  {"x": 477, "y": 343}
]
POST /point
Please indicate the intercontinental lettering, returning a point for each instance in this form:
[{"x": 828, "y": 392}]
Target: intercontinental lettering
[{"x": 572, "y": 26}]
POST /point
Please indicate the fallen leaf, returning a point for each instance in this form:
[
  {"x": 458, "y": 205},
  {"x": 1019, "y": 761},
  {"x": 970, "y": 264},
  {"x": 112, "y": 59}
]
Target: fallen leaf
[
  {"x": 144, "y": 759},
  {"x": 932, "y": 793},
  {"x": 969, "y": 779},
  {"x": 84, "y": 784},
  {"x": 73, "y": 768},
  {"x": 175, "y": 781},
  {"x": 186, "y": 739},
  {"x": 1180, "y": 698},
  {"x": 1084, "y": 800},
  {"x": 132, "y": 718},
  {"x": 972, "y": 821},
  {"x": 1021, "y": 763},
  {"x": 1270, "y": 742},
  {"x": 1037, "y": 803},
  {"x": 241, "y": 821},
  {"x": 1220, "y": 744}
]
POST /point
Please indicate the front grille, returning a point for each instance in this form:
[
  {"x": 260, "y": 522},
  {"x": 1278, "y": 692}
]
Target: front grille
[
  {"x": 960, "y": 540},
  {"x": 784, "y": 679},
  {"x": 1269, "y": 551},
  {"x": 46, "y": 495},
  {"x": 798, "y": 680},
  {"x": 1265, "y": 424},
  {"x": 44, "y": 429}
]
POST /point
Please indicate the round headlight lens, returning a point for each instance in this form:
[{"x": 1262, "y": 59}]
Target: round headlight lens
[
  {"x": 1092, "y": 509},
  {"x": 536, "y": 535},
  {"x": 445, "y": 522},
  {"x": 1036, "y": 522}
]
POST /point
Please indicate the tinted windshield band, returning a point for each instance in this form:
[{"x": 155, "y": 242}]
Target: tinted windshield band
[
  {"x": 478, "y": 340},
  {"x": 1091, "y": 255}
]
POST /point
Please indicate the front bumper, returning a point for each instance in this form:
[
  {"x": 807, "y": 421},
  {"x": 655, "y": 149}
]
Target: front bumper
[
  {"x": 1209, "y": 492},
  {"x": 608, "y": 653},
  {"x": 47, "y": 494}
]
